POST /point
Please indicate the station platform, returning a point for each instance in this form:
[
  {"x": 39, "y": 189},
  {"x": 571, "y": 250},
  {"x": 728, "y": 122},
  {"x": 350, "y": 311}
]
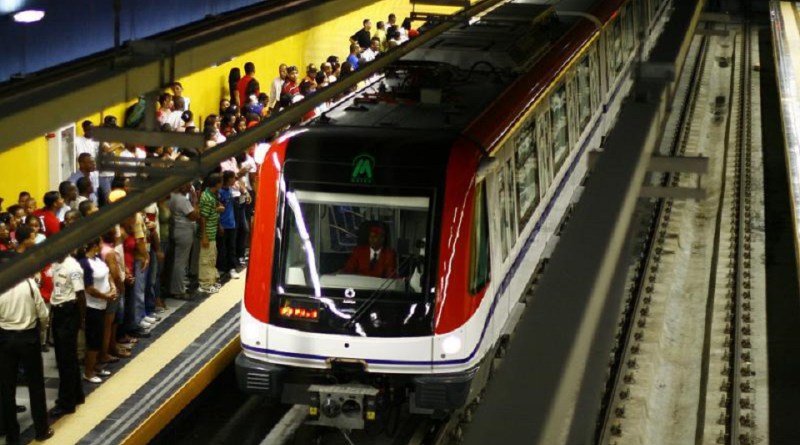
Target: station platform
[
  {"x": 188, "y": 348},
  {"x": 786, "y": 37}
]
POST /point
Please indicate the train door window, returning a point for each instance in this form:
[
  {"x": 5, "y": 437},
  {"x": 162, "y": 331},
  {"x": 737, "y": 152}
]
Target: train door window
[
  {"x": 609, "y": 60},
  {"x": 543, "y": 146},
  {"x": 506, "y": 210},
  {"x": 479, "y": 261},
  {"x": 572, "y": 109},
  {"x": 630, "y": 31},
  {"x": 636, "y": 12},
  {"x": 584, "y": 92},
  {"x": 527, "y": 162},
  {"x": 512, "y": 203},
  {"x": 558, "y": 112},
  {"x": 594, "y": 77},
  {"x": 614, "y": 34}
]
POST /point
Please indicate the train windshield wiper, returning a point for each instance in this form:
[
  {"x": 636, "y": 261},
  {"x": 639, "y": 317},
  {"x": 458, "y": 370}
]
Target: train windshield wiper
[{"x": 364, "y": 307}]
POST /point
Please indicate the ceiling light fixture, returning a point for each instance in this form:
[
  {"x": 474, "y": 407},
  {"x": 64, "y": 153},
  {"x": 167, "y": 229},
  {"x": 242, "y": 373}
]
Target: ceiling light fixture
[{"x": 29, "y": 16}]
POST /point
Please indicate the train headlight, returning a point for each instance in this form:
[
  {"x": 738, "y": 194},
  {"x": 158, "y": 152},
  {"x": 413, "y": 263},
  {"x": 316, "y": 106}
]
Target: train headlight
[
  {"x": 451, "y": 344},
  {"x": 331, "y": 407}
]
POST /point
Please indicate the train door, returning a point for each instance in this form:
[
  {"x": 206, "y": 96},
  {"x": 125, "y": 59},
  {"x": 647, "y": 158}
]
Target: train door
[
  {"x": 502, "y": 219},
  {"x": 480, "y": 251},
  {"x": 542, "y": 134}
]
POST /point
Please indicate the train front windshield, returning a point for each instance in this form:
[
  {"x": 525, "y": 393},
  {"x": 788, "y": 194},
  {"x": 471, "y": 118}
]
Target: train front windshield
[{"x": 354, "y": 264}]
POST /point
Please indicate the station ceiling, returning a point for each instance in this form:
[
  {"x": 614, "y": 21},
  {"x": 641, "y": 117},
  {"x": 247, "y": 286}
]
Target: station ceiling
[{"x": 72, "y": 29}]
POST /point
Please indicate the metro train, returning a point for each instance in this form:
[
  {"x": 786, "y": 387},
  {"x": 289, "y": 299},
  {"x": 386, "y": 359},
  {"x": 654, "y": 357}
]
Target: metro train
[{"x": 395, "y": 235}]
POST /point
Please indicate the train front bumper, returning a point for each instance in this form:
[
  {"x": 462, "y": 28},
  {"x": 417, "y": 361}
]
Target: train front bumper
[{"x": 257, "y": 377}]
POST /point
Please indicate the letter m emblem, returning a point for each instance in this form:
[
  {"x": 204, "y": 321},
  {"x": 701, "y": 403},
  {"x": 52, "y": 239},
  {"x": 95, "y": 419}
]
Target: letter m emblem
[{"x": 363, "y": 169}]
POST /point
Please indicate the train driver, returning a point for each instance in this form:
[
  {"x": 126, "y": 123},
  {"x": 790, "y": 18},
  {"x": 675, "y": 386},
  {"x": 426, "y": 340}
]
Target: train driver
[{"x": 374, "y": 259}]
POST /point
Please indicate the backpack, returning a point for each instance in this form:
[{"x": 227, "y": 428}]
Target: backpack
[{"x": 134, "y": 115}]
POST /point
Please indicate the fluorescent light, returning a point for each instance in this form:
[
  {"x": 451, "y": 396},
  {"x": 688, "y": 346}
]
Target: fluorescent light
[
  {"x": 29, "y": 16},
  {"x": 9, "y": 6}
]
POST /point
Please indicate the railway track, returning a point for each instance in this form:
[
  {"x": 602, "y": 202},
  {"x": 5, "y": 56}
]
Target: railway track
[
  {"x": 688, "y": 347},
  {"x": 415, "y": 430},
  {"x": 736, "y": 400}
]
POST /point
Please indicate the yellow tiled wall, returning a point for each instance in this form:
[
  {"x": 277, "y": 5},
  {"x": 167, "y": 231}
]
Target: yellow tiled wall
[{"x": 26, "y": 167}]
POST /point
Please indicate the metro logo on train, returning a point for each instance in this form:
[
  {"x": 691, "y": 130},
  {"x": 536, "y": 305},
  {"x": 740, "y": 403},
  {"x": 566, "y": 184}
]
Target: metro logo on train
[{"x": 363, "y": 166}]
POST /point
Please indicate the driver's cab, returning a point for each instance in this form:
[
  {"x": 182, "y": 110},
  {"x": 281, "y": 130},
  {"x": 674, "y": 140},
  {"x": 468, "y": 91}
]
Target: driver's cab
[{"x": 322, "y": 230}]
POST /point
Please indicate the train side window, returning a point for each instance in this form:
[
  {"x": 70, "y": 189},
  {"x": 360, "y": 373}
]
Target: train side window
[
  {"x": 594, "y": 79},
  {"x": 627, "y": 30},
  {"x": 506, "y": 208},
  {"x": 527, "y": 174},
  {"x": 543, "y": 146},
  {"x": 584, "y": 92},
  {"x": 573, "y": 108},
  {"x": 614, "y": 37},
  {"x": 479, "y": 263},
  {"x": 510, "y": 201},
  {"x": 558, "y": 112}
]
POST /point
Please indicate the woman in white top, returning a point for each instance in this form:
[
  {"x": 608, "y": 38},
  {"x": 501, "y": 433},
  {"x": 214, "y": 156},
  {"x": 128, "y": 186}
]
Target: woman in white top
[{"x": 99, "y": 291}]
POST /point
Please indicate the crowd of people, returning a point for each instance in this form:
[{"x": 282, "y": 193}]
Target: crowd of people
[{"x": 112, "y": 291}]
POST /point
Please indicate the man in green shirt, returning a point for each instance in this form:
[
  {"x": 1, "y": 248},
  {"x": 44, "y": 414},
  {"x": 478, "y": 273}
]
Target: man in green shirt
[{"x": 210, "y": 208}]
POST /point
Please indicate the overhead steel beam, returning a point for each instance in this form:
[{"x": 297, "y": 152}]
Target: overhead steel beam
[
  {"x": 548, "y": 389},
  {"x": 679, "y": 193},
  {"x": 91, "y": 227},
  {"x": 34, "y": 106},
  {"x": 683, "y": 164}
]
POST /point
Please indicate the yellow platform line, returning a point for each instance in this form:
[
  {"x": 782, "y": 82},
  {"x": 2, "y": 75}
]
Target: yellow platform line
[{"x": 136, "y": 374}]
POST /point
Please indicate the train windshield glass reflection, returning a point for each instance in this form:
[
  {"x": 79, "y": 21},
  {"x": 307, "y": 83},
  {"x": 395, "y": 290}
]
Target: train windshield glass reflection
[{"x": 357, "y": 243}]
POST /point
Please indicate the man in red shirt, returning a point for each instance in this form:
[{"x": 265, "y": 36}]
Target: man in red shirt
[
  {"x": 248, "y": 85},
  {"x": 374, "y": 259},
  {"x": 290, "y": 85},
  {"x": 53, "y": 202}
]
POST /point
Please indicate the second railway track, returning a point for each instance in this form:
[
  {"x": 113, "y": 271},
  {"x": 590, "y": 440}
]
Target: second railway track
[{"x": 690, "y": 365}]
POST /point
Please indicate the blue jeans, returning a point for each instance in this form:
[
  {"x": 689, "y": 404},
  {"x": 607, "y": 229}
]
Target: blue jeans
[
  {"x": 151, "y": 284},
  {"x": 119, "y": 318},
  {"x": 105, "y": 188},
  {"x": 139, "y": 285}
]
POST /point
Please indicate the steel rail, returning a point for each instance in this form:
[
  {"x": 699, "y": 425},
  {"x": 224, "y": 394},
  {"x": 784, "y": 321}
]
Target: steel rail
[
  {"x": 93, "y": 226},
  {"x": 647, "y": 268},
  {"x": 741, "y": 214}
]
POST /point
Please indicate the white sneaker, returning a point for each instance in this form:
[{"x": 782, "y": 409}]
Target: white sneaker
[
  {"x": 144, "y": 324},
  {"x": 208, "y": 289},
  {"x": 234, "y": 275},
  {"x": 149, "y": 319}
]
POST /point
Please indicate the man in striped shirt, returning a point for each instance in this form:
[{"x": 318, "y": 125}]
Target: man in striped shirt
[{"x": 210, "y": 208}]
